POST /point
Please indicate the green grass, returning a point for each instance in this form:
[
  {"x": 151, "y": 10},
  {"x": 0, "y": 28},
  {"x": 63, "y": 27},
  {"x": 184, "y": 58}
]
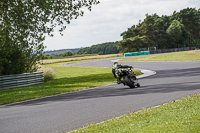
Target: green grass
[
  {"x": 179, "y": 56},
  {"x": 67, "y": 79},
  {"x": 180, "y": 116}
]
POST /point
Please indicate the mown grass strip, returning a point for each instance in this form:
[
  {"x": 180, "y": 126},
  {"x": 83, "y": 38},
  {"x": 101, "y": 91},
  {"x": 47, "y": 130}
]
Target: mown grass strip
[
  {"x": 178, "y": 56},
  {"x": 177, "y": 116},
  {"x": 67, "y": 79}
]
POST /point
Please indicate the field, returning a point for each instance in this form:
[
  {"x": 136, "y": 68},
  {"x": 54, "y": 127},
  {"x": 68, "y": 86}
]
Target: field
[{"x": 178, "y": 56}]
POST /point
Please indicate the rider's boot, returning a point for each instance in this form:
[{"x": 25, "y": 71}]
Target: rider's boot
[{"x": 119, "y": 81}]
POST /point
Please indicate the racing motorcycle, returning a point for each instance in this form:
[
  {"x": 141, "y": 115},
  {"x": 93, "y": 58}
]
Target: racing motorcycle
[{"x": 129, "y": 77}]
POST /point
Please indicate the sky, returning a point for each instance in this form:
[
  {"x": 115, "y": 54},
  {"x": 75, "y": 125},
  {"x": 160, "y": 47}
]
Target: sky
[{"x": 109, "y": 19}]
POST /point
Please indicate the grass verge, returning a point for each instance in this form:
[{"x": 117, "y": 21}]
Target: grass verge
[
  {"x": 178, "y": 56},
  {"x": 67, "y": 79},
  {"x": 177, "y": 116}
]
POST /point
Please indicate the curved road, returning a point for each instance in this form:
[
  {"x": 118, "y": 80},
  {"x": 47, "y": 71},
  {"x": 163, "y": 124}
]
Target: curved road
[{"x": 65, "y": 112}]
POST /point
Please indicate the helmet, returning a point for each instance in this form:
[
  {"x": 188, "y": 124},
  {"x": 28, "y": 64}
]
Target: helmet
[{"x": 115, "y": 62}]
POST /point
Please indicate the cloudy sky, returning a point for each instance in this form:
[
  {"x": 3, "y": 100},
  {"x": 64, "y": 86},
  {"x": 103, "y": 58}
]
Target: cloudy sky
[{"x": 109, "y": 19}]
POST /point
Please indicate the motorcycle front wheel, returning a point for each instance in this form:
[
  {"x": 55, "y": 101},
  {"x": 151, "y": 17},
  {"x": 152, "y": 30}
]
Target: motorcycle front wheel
[{"x": 138, "y": 85}]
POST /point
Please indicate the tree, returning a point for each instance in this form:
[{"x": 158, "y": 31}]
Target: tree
[
  {"x": 182, "y": 29},
  {"x": 148, "y": 29},
  {"x": 190, "y": 18},
  {"x": 104, "y": 48},
  {"x": 177, "y": 33},
  {"x": 131, "y": 32},
  {"x": 174, "y": 32},
  {"x": 67, "y": 53},
  {"x": 160, "y": 26},
  {"x": 132, "y": 44},
  {"x": 24, "y": 24},
  {"x": 100, "y": 53}
]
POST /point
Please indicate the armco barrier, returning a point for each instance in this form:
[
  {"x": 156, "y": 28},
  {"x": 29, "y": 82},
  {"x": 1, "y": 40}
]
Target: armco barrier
[
  {"x": 127, "y": 54},
  {"x": 159, "y": 51},
  {"x": 146, "y": 52},
  {"x": 140, "y": 53},
  {"x": 20, "y": 80},
  {"x": 137, "y": 53}
]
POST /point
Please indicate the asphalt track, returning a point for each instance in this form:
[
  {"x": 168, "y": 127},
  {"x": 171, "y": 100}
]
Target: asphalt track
[{"x": 65, "y": 112}]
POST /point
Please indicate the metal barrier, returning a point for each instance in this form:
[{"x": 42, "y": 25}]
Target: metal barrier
[
  {"x": 137, "y": 53},
  {"x": 20, "y": 80},
  {"x": 171, "y": 50}
]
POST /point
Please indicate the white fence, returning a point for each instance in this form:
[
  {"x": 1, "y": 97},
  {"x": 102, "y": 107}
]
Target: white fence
[{"x": 20, "y": 80}]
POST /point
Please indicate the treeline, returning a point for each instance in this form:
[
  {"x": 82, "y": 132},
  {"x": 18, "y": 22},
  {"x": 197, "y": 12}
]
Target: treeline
[
  {"x": 181, "y": 29},
  {"x": 101, "y": 49},
  {"x": 59, "y": 52},
  {"x": 65, "y": 54},
  {"x": 55, "y": 54}
]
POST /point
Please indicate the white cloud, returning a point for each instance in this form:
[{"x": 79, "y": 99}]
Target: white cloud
[{"x": 109, "y": 19}]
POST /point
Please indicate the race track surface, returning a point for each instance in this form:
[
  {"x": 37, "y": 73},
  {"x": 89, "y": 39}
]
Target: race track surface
[{"x": 65, "y": 112}]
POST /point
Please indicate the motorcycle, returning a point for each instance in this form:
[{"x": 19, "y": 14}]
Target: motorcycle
[{"x": 129, "y": 77}]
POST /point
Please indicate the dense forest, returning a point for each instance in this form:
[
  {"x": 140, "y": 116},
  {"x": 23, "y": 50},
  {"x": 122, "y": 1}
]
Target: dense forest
[
  {"x": 181, "y": 29},
  {"x": 101, "y": 49}
]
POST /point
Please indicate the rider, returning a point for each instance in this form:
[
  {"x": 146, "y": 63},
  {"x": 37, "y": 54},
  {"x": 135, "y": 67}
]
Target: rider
[{"x": 115, "y": 70}]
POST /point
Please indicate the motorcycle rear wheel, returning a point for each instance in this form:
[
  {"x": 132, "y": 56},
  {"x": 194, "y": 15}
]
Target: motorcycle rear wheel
[{"x": 128, "y": 82}]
